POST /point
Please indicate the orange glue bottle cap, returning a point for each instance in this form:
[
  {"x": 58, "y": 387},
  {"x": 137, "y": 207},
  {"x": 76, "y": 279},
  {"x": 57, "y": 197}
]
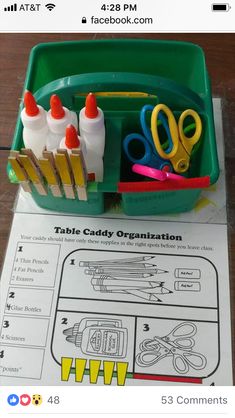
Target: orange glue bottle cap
[
  {"x": 57, "y": 110},
  {"x": 31, "y": 107},
  {"x": 71, "y": 137},
  {"x": 91, "y": 110}
]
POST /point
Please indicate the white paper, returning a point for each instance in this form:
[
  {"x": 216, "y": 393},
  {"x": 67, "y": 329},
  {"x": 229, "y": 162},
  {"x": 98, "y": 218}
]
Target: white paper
[
  {"x": 118, "y": 301},
  {"x": 150, "y": 298}
]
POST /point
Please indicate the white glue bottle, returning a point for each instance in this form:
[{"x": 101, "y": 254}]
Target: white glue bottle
[
  {"x": 92, "y": 132},
  {"x": 58, "y": 117},
  {"x": 95, "y": 165},
  {"x": 35, "y": 131},
  {"x": 71, "y": 140},
  {"x": 92, "y": 161}
]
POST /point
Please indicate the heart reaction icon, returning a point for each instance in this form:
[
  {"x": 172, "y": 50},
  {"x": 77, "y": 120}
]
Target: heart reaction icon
[{"x": 25, "y": 400}]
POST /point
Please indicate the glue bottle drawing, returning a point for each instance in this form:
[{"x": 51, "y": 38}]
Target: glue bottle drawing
[
  {"x": 99, "y": 337},
  {"x": 34, "y": 121},
  {"x": 58, "y": 117}
]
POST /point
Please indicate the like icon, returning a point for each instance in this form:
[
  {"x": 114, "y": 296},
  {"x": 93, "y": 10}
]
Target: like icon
[
  {"x": 13, "y": 400},
  {"x": 25, "y": 400}
]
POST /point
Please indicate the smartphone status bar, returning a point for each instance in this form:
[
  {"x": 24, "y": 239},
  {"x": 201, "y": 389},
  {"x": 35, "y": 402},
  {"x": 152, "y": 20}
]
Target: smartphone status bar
[{"x": 118, "y": 16}]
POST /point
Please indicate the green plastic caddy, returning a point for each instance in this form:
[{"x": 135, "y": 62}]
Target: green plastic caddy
[{"x": 167, "y": 72}]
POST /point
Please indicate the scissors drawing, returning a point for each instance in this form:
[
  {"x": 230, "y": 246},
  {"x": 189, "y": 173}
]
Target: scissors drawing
[
  {"x": 178, "y": 344},
  {"x": 140, "y": 148},
  {"x": 182, "y": 145}
]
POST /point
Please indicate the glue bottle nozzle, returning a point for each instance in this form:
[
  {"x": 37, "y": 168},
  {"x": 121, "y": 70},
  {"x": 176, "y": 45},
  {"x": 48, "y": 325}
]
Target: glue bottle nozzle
[
  {"x": 91, "y": 110},
  {"x": 57, "y": 110},
  {"x": 31, "y": 108},
  {"x": 71, "y": 137}
]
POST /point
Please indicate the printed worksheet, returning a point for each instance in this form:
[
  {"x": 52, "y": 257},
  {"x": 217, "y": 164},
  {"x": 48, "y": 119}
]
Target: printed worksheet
[
  {"x": 94, "y": 301},
  {"x": 112, "y": 300}
]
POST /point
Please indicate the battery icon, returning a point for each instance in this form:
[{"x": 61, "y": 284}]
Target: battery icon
[{"x": 220, "y": 7}]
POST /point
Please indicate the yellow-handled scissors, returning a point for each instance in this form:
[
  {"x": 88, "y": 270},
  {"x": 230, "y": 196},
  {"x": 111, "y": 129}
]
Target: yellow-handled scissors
[{"x": 182, "y": 145}]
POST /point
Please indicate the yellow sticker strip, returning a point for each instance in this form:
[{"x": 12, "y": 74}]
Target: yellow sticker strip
[
  {"x": 80, "y": 366},
  {"x": 121, "y": 373},
  {"x": 66, "y": 364},
  {"x": 94, "y": 366},
  {"x": 108, "y": 371},
  {"x": 94, "y": 369}
]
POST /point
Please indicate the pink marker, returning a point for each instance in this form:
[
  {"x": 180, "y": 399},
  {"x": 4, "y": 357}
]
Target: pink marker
[{"x": 154, "y": 173}]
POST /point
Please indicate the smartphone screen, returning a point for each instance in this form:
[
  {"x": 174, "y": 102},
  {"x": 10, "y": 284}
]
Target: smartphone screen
[{"x": 117, "y": 207}]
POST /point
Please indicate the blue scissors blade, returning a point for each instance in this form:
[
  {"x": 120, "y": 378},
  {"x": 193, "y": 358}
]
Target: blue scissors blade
[
  {"x": 146, "y": 156},
  {"x": 144, "y": 126},
  {"x": 139, "y": 156},
  {"x": 148, "y": 135},
  {"x": 147, "y": 132}
]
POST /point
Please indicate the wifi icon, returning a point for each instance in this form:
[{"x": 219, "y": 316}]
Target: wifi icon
[{"x": 50, "y": 6}]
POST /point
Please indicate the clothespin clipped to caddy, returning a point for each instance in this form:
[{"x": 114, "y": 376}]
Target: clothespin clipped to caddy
[
  {"x": 56, "y": 162},
  {"x": 72, "y": 171},
  {"x": 29, "y": 162},
  {"x": 31, "y": 170},
  {"x": 47, "y": 166},
  {"x": 79, "y": 173},
  {"x": 20, "y": 172},
  {"x": 61, "y": 170}
]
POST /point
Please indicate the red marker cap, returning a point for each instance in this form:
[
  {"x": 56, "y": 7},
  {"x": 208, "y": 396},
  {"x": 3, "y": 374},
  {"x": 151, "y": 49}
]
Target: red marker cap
[
  {"x": 71, "y": 137},
  {"x": 57, "y": 111},
  {"x": 31, "y": 107},
  {"x": 91, "y": 110}
]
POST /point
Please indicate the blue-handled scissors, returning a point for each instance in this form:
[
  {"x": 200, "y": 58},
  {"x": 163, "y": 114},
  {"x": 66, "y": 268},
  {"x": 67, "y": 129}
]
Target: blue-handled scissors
[
  {"x": 182, "y": 145},
  {"x": 149, "y": 156}
]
